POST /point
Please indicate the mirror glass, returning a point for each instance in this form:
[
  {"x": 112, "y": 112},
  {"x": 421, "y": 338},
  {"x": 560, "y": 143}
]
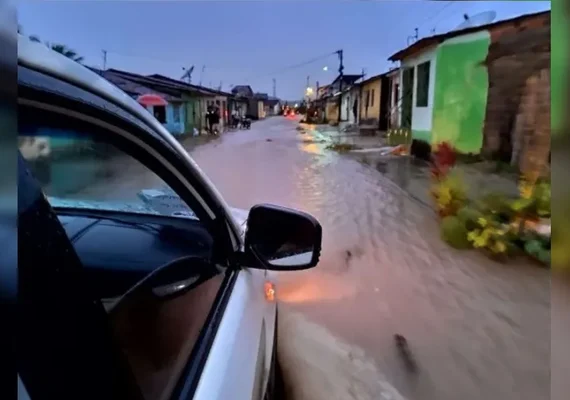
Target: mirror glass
[{"x": 283, "y": 238}]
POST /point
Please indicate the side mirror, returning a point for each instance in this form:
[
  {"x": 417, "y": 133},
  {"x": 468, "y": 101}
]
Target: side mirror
[{"x": 282, "y": 239}]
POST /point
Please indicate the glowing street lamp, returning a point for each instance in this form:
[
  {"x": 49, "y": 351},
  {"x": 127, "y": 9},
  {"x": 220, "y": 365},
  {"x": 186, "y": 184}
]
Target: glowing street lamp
[
  {"x": 309, "y": 91},
  {"x": 325, "y": 68}
]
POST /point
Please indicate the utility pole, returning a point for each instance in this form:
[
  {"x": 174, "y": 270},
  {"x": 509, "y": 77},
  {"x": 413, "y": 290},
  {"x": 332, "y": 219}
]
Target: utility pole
[
  {"x": 104, "y": 60},
  {"x": 341, "y": 77},
  {"x": 274, "y": 87}
]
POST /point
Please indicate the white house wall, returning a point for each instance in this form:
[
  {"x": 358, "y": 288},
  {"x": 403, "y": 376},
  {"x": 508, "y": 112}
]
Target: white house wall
[{"x": 421, "y": 116}]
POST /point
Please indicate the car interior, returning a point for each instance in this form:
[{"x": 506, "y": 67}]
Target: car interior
[{"x": 117, "y": 249}]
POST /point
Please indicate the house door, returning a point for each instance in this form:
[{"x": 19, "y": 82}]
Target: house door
[
  {"x": 407, "y": 97},
  {"x": 384, "y": 104}
]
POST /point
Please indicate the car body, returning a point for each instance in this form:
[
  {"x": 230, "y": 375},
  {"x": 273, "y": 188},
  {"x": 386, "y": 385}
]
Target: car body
[{"x": 85, "y": 248}]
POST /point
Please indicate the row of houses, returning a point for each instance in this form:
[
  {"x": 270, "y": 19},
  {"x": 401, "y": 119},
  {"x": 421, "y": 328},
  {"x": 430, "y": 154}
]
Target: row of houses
[
  {"x": 485, "y": 89},
  {"x": 187, "y": 104}
]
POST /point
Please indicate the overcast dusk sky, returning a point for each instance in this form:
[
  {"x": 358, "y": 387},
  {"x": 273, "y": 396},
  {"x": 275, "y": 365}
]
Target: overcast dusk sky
[{"x": 248, "y": 42}]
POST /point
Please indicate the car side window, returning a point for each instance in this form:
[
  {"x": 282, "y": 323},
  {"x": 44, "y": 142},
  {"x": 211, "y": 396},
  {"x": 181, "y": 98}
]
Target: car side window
[{"x": 77, "y": 171}]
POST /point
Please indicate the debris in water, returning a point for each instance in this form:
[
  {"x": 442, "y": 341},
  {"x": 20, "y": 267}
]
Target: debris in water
[
  {"x": 348, "y": 257},
  {"x": 269, "y": 140},
  {"x": 409, "y": 359}
]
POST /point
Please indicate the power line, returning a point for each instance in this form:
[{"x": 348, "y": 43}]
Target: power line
[{"x": 436, "y": 14}]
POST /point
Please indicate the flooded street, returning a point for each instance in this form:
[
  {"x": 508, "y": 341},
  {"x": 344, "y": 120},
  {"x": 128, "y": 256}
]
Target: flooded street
[{"x": 478, "y": 330}]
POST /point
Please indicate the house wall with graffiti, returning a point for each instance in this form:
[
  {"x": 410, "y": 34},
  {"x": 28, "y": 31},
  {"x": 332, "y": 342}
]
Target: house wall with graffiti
[{"x": 461, "y": 89}]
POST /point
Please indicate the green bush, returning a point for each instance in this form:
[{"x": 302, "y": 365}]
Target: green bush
[
  {"x": 498, "y": 205},
  {"x": 454, "y": 233},
  {"x": 469, "y": 217},
  {"x": 542, "y": 196}
]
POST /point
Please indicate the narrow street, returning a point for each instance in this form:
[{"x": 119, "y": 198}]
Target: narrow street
[{"x": 478, "y": 330}]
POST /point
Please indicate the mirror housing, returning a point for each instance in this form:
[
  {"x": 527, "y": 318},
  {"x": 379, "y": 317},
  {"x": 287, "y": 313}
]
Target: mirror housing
[{"x": 282, "y": 239}]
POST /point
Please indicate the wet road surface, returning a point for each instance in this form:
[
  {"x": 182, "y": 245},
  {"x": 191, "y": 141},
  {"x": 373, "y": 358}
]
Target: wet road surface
[{"x": 477, "y": 329}]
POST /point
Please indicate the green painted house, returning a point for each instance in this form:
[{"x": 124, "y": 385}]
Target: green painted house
[{"x": 445, "y": 82}]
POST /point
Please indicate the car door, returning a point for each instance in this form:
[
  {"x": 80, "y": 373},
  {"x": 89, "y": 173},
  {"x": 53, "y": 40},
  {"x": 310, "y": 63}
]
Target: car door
[{"x": 239, "y": 315}]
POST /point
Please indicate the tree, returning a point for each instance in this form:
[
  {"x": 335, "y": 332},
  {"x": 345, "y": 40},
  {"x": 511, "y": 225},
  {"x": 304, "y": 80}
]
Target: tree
[
  {"x": 59, "y": 48},
  {"x": 66, "y": 51}
]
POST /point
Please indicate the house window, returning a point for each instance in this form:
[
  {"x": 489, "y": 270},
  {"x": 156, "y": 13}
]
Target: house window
[
  {"x": 422, "y": 90},
  {"x": 367, "y": 98},
  {"x": 160, "y": 113},
  {"x": 176, "y": 112},
  {"x": 372, "y": 99}
]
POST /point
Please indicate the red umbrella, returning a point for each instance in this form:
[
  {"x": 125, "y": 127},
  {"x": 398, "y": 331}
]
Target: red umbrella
[{"x": 151, "y": 100}]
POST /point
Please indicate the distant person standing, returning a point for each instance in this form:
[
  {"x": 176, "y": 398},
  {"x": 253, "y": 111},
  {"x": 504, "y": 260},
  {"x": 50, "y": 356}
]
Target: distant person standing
[
  {"x": 210, "y": 119},
  {"x": 235, "y": 118},
  {"x": 216, "y": 120}
]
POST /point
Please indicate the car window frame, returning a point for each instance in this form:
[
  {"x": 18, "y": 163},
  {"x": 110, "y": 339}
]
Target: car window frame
[{"x": 52, "y": 102}]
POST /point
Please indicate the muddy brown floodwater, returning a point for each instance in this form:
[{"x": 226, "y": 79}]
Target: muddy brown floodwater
[{"x": 477, "y": 329}]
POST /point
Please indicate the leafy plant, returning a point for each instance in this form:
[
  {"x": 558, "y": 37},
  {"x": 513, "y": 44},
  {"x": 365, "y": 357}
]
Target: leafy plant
[
  {"x": 539, "y": 250},
  {"x": 542, "y": 197},
  {"x": 469, "y": 217},
  {"x": 450, "y": 194},
  {"x": 497, "y": 205},
  {"x": 454, "y": 233},
  {"x": 491, "y": 236}
]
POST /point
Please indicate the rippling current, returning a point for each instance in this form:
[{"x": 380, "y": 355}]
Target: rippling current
[{"x": 478, "y": 330}]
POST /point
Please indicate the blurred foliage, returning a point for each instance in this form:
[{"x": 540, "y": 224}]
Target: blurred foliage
[
  {"x": 469, "y": 216},
  {"x": 497, "y": 205},
  {"x": 493, "y": 237},
  {"x": 454, "y": 232},
  {"x": 449, "y": 194},
  {"x": 444, "y": 158},
  {"x": 538, "y": 248}
]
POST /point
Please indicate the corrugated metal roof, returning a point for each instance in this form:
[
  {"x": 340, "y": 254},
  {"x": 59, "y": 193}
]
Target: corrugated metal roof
[
  {"x": 188, "y": 86},
  {"x": 157, "y": 84},
  {"x": 133, "y": 87}
]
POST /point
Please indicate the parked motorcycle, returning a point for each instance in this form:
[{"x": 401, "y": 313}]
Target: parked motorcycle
[{"x": 245, "y": 123}]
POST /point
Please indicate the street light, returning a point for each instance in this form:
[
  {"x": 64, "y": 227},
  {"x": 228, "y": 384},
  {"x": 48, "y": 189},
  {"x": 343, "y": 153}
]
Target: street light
[
  {"x": 309, "y": 91},
  {"x": 325, "y": 68}
]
